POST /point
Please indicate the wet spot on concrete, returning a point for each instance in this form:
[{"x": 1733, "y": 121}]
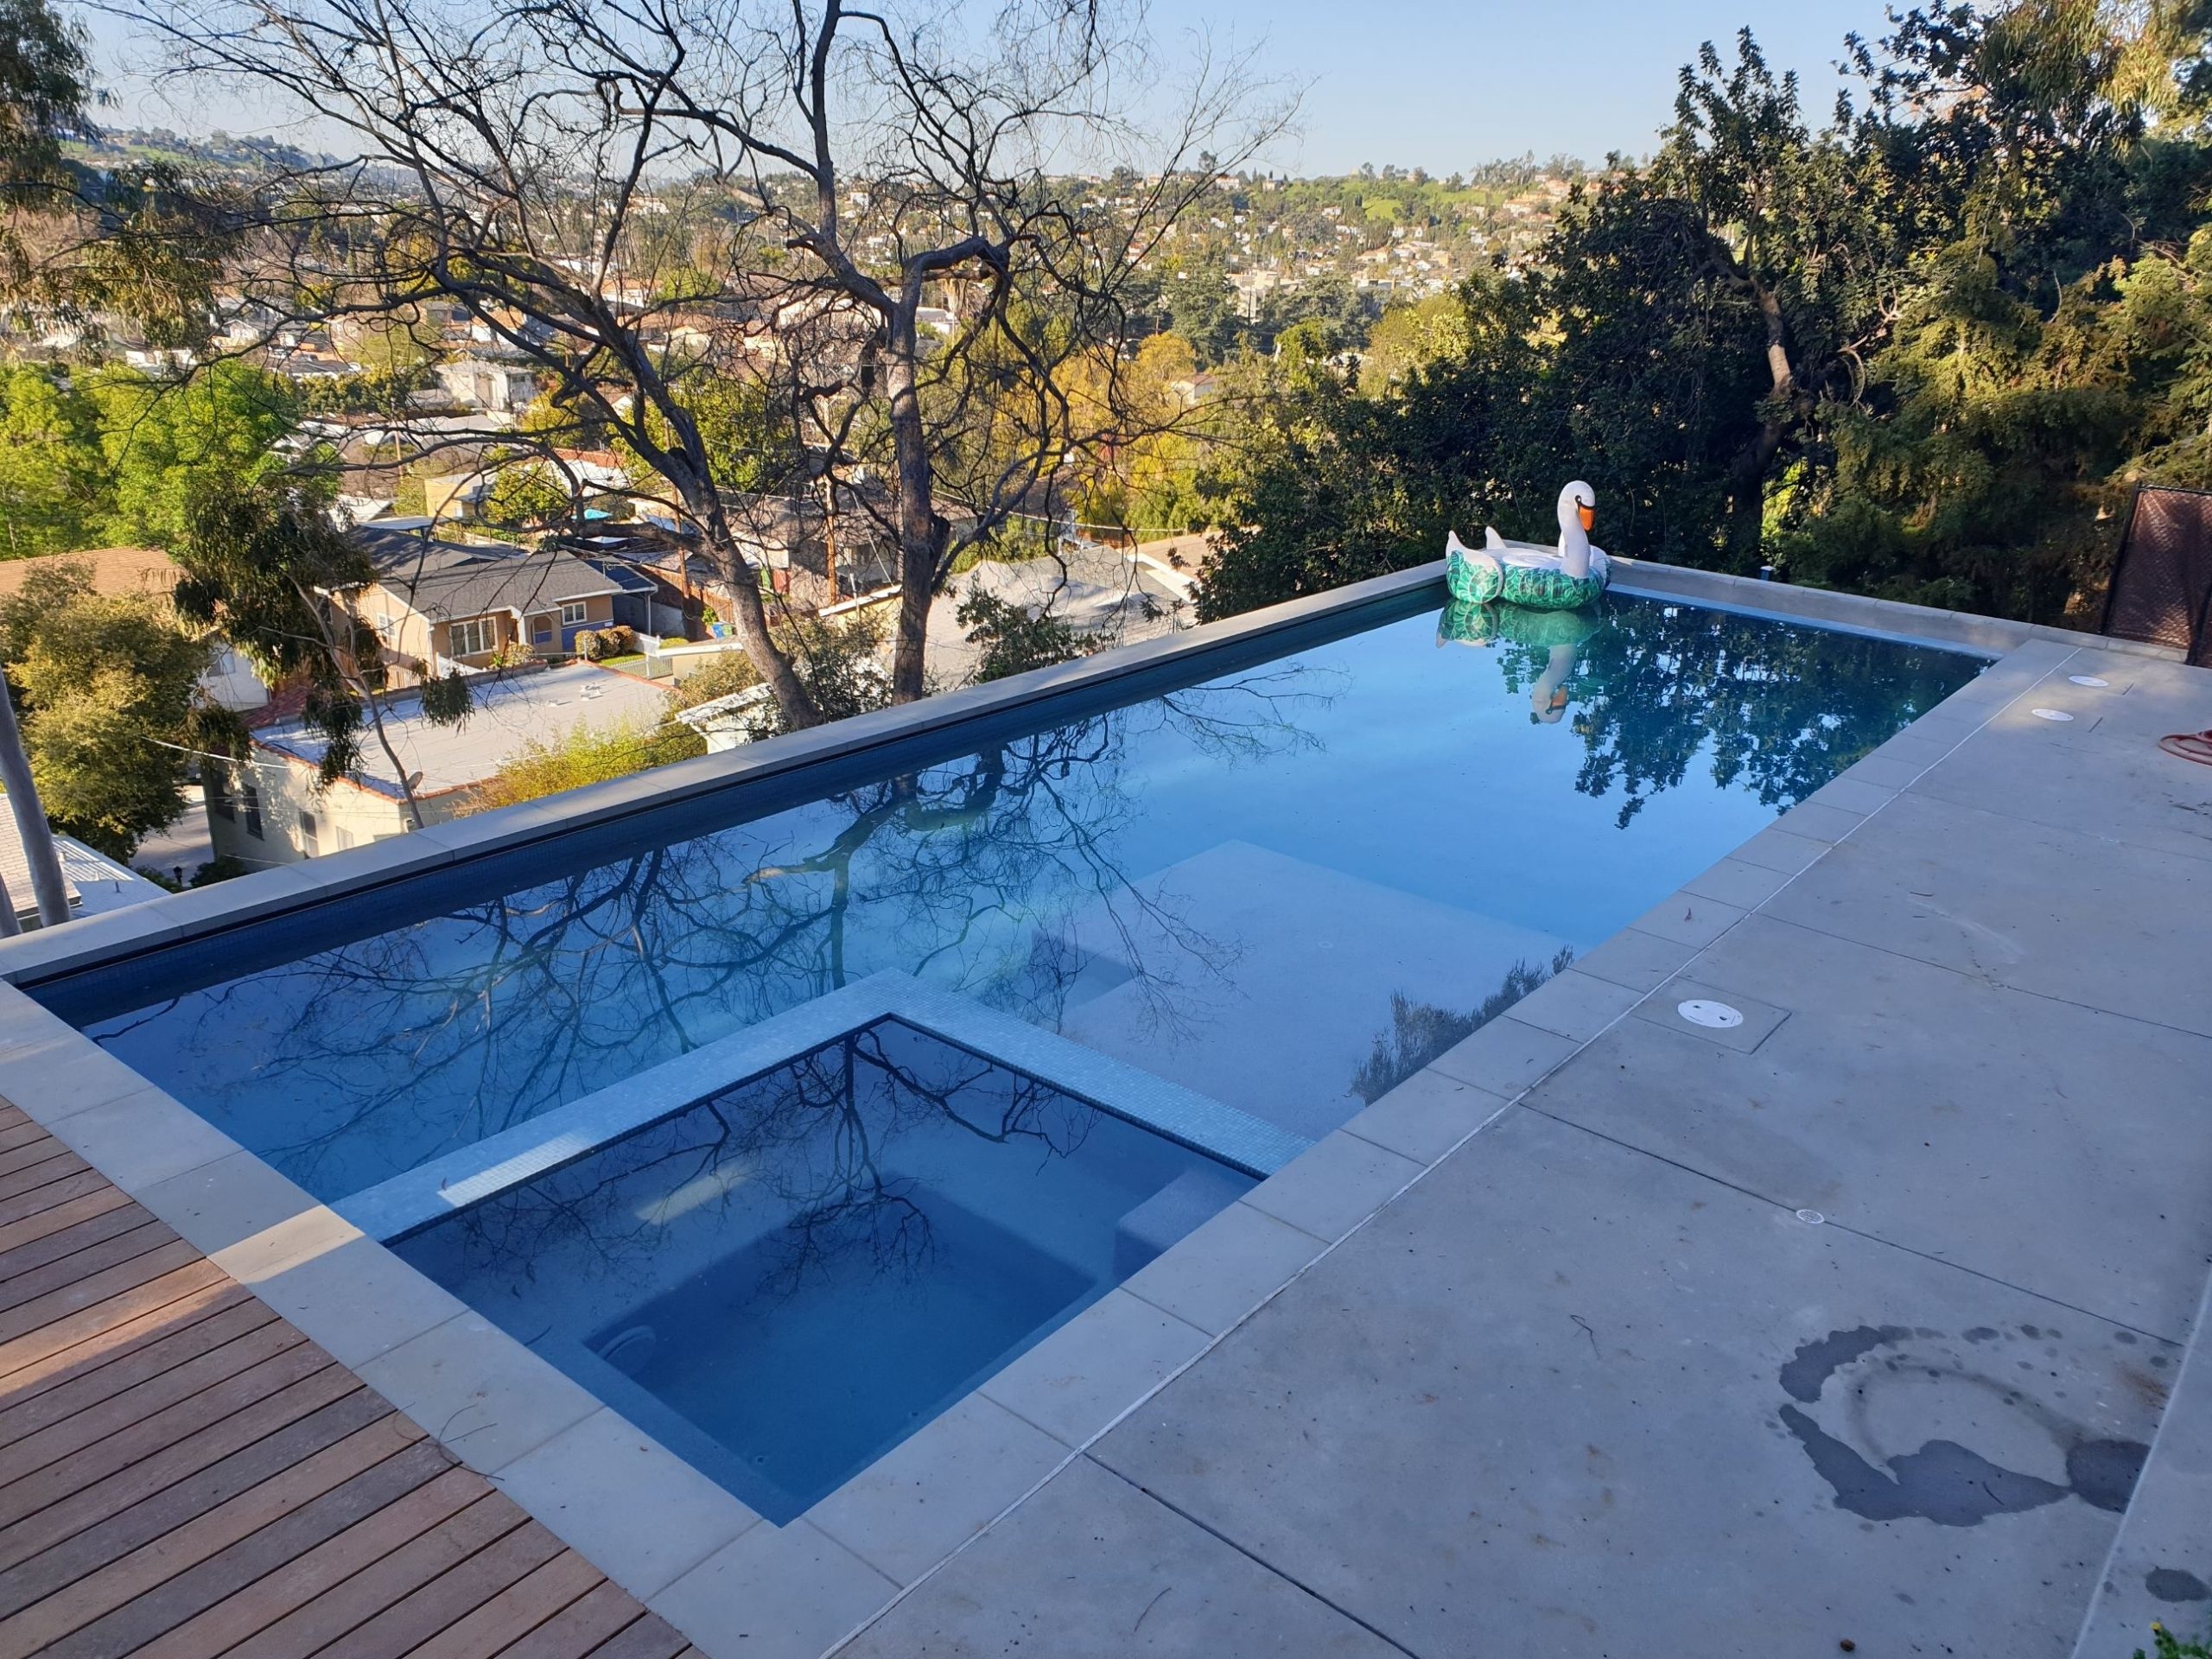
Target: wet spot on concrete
[
  {"x": 1943, "y": 1482},
  {"x": 2126, "y": 1339},
  {"x": 1810, "y": 1366},
  {"x": 2171, "y": 1584},
  {"x": 2103, "y": 1472},
  {"x": 1981, "y": 1333}
]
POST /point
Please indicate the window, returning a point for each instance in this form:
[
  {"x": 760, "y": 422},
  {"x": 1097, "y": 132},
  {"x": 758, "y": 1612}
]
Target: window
[
  {"x": 474, "y": 636},
  {"x": 574, "y": 612},
  {"x": 307, "y": 833},
  {"x": 251, "y": 798}
]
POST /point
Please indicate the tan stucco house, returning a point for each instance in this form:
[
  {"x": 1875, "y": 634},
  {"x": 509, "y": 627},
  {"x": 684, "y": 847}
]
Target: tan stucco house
[{"x": 438, "y": 605}]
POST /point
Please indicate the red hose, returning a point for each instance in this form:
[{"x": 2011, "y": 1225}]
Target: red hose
[{"x": 2189, "y": 745}]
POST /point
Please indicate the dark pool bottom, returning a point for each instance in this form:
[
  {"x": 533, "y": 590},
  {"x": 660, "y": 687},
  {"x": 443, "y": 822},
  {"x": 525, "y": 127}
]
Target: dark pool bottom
[{"x": 783, "y": 1282}]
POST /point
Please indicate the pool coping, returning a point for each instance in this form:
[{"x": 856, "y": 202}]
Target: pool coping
[{"x": 692, "y": 1552}]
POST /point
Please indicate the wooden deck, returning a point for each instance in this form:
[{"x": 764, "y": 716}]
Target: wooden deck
[{"x": 182, "y": 1474}]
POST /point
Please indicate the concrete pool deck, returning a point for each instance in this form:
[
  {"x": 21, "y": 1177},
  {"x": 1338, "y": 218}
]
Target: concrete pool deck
[
  {"x": 1604, "y": 1333},
  {"x": 1850, "y": 1323}
]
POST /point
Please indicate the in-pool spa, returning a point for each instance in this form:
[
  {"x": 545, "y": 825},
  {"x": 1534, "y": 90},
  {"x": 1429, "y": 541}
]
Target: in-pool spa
[
  {"x": 785, "y": 1279},
  {"x": 781, "y": 1117}
]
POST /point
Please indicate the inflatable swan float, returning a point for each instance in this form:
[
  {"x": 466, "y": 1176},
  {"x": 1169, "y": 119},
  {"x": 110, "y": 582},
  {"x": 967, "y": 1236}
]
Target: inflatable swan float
[{"x": 1562, "y": 578}]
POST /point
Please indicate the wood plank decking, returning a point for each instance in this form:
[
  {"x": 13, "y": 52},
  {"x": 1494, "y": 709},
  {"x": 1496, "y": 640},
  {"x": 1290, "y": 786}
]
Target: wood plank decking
[{"x": 183, "y": 1475}]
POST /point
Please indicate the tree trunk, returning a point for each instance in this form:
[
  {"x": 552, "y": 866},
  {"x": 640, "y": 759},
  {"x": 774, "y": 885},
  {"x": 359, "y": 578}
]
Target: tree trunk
[
  {"x": 398, "y": 768},
  {"x": 1747, "y": 496},
  {"x": 30, "y": 822},
  {"x": 922, "y": 530},
  {"x": 1784, "y": 406},
  {"x": 796, "y": 703}
]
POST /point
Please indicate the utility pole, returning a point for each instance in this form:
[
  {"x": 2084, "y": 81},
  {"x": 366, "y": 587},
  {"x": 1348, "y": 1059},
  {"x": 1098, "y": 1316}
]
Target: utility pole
[{"x": 30, "y": 823}]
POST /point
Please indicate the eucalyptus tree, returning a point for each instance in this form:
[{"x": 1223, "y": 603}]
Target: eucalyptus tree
[
  {"x": 643, "y": 197},
  {"x": 79, "y": 241}
]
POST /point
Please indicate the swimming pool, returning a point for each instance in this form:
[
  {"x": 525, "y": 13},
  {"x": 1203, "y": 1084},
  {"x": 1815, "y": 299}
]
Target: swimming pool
[{"x": 1205, "y": 926}]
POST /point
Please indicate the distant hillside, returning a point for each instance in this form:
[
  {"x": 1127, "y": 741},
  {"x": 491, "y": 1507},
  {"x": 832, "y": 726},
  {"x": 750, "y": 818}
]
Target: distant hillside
[{"x": 219, "y": 152}]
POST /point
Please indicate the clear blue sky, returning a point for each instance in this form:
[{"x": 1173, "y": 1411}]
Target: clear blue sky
[
  {"x": 1419, "y": 83},
  {"x": 1442, "y": 86}
]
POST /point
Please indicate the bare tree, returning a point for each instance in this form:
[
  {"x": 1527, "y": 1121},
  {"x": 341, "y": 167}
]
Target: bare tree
[{"x": 572, "y": 177}]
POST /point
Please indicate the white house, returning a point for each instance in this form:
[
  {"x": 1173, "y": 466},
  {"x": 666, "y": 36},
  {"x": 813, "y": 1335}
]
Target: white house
[
  {"x": 488, "y": 384},
  {"x": 274, "y": 809}
]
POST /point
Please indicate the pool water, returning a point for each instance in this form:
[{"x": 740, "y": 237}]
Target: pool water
[
  {"x": 1258, "y": 887},
  {"x": 1281, "y": 889},
  {"x": 786, "y": 1279}
]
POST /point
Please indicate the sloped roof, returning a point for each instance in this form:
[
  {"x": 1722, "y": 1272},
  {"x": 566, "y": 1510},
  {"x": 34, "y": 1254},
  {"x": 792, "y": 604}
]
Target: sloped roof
[
  {"x": 445, "y": 580},
  {"x": 115, "y": 571},
  {"x": 94, "y": 882}
]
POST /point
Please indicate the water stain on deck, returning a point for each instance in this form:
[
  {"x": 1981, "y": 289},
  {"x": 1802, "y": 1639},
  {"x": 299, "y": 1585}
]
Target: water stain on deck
[{"x": 1944, "y": 1481}]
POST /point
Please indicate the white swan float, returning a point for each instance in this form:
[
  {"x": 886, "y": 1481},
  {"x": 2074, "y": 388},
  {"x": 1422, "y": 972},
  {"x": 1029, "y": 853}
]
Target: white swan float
[{"x": 1562, "y": 578}]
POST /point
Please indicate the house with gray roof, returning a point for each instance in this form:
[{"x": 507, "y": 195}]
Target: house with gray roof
[{"x": 442, "y": 605}]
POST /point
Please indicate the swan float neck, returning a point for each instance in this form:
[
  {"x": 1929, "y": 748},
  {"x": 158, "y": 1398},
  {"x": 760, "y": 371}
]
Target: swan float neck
[
  {"x": 1578, "y": 510},
  {"x": 1567, "y": 577}
]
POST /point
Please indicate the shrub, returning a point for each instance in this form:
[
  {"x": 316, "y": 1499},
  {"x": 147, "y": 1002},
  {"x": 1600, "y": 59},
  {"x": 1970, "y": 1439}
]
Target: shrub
[
  {"x": 2170, "y": 1646},
  {"x": 586, "y": 756},
  {"x": 722, "y": 675},
  {"x": 1012, "y": 640}
]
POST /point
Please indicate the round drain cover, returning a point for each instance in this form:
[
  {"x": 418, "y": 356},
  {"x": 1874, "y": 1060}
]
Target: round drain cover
[
  {"x": 2051, "y": 714},
  {"x": 1811, "y": 1217},
  {"x": 1718, "y": 1016},
  {"x": 2089, "y": 680}
]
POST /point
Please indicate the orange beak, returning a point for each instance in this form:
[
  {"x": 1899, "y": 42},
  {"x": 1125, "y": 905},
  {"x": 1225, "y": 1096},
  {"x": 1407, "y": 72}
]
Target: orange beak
[{"x": 1588, "y": 514}]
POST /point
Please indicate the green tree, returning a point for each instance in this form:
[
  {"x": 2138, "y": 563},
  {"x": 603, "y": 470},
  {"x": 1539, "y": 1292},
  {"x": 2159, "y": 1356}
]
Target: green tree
[
  {"x": 524, "y": 494},
  {"x": 168, "y": 442},
  {"x": 110, "y": 690},
  {"x": 263, "y": 562},
  {"x": 1336, "y": 488},
  {"x": 78, "y": 241},
  {"x": 1409, "y": 337},
  {"x": 1923, "y": 350},
  {"x": 1014, "y": 640},
  {"x": 53, "y": 475}
]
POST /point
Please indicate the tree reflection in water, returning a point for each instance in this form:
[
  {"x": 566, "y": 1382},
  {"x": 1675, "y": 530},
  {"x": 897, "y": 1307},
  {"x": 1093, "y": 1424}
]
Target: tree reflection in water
[
  {"x": 803, "y": 1157},
  {"x": 369, "y": 1059},
  {"x": 1783, "y": 708},
  {"x": 1419, "y": 1032},
  {"x": 1011, "y": 875}
]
